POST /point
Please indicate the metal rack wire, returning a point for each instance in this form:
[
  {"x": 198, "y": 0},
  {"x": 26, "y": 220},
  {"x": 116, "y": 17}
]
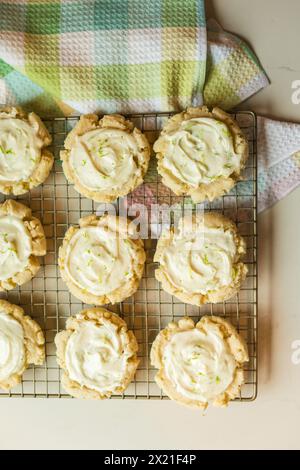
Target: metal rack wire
[{"x": 47, "y": 299}]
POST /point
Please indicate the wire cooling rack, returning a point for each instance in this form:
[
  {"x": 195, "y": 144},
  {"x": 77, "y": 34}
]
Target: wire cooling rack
[{"x": 47, "y": 299}]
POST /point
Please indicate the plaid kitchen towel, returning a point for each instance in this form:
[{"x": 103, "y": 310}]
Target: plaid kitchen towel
[
  {"x": 278, "y": 154},
  {"x": 63, "y": 56},
  {"x": 106, "y": 55},
  {"x": 119, "y": 56},
  {"x": 233, "y": 71}
]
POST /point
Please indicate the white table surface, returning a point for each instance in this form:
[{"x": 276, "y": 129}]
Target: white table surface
[{"x": 272, "y": 421}]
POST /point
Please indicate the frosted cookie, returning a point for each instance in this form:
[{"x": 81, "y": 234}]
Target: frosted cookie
[
  {"x": 102, "y": 260},
  {"x": 24, "y": 161},
  {"x": 22, "y": 240},
  {"x": 97, "y": 354},
  {"x": 200, "y": 260},
  {"x": 200, "y": 364},
  {"x": 201, "y": 153},
  {"x": 105, "y": 158},
  {"x": 21, "y": 343}
]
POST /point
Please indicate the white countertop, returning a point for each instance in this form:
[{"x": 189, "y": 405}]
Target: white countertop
[{"x": 272, "y": 421}]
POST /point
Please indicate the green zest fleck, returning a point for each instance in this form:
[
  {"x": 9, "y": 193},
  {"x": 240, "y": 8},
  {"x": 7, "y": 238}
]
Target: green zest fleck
[
  {"x": 6, "y": 152},
  {"x": 226, "y": 132},
  {"x": 100, "y": 151},
  {"x": 196, "y": 355},
  {"x": 218, "y": 380},
  {"x": 205, "y": 259},
  {"x": 228, "y": 165},
  {"x": 83, "y": 162}
]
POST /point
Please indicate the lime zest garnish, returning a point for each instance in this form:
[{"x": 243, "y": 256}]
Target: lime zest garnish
[
  {"x": 205, "y": 260},
  {"x": 5, "y": 237},
  {"x": 225, "y": 132},
  {"x": 100, "y": 150},
  {"x": 6, "y": 152},
  {"x": 195, "y": 355}
]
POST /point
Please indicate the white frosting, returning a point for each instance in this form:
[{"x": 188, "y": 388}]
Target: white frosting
[
  {"x": 105, "y": 159},
  {"x": 199, "y": 364},
  {"x": 95, "y": 356},
  {"x": 15, "y": 246},
  {"x": 98, "y": 260},
  {"x": 200, "y": 261},
  {"x": 200, "y": 151},
  {"x": 20, "y": 150},
  {"x": 12, "y": 351}
]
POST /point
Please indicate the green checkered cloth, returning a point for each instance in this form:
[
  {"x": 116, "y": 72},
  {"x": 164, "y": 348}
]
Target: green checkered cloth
[{"x": 64, "y": 56}]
